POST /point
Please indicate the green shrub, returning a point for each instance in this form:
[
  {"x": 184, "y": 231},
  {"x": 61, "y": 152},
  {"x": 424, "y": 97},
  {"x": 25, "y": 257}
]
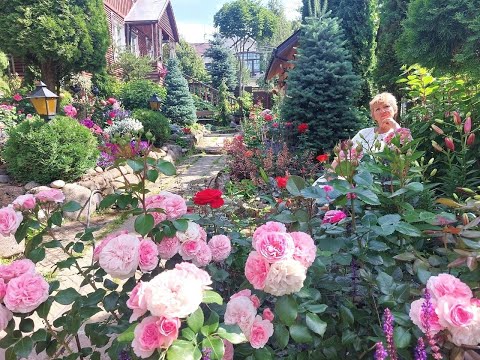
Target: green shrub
[
  {"x": 156, "y": 123},
  {"x": 65, "y": 99},
  {"x": 108, "y": 85},
  {"x": 43, "y": 152},
  {"x": 135, "y": 94}
]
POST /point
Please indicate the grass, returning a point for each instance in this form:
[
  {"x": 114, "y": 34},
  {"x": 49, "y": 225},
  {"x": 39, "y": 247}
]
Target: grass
[{"x": 115, "y": 224}]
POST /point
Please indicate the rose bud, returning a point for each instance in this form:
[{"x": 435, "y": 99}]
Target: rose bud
[
  {"x": 449, "y": 143},
  {"x": 437, "y": 129},
  {"x": 470, "y": 139},
  {"x": 456, "y": 118},
  {"x": 467, "y": 127}
]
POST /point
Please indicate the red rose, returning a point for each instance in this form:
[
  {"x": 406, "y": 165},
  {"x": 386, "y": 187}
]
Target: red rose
[
  {"x": 109, "y": 122},
  {"x": 302, "y": 127},
  {"x": 281, "y": 181},
  {"x": 268, "y": 117},
  {"x": 111, "y": 100},
  {"x": 322, "y": 158},
  {"x": 186, "y": 130},
  {"x": 212, "y": 197}
]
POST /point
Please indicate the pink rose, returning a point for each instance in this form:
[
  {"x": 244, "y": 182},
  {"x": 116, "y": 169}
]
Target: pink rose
[
  {"x": 105, "y": 241},
  {"x": 256, "y": 270},
  {"x": 416, "y": 316},
  {"x": 16, "y": 268},
  {"x": 455, "y": 312},
  {"x": 111, "y": 101},
  {"x": 305, "y": 249},
  {"x": 173, "y": 206},
  {"x": 199, "y": 275},
  {"x": 285, "y": 277},
  {"x": 120, "y": 257},
  {"x": 50, "y": 195},
  {"x": 194, "y": 232},
  {"x": 70, "y": 111},
  {"x": 189, "y": 249},
  {"x": 333, "y": 216},
  {"x": 275, "y": 246},
  {"x": 270, "y": 226},
  {"x": 255, "y": 300},
  {"x": 169, "y": 329},
  {"x": 25, "y": 293},
  {"x": 3, "y": 289},
  {"x": 260, "y": 332},
  {"x": 156, "y": 202},
  {"x": 24, "y": 202},
  {"x": 9, "y": 221},
  {"x": 244, "y": 292},
  {"x": 268, "y": 314},
  {"x": 220, "y": 246},
  {"x": 446, "y": 284},
  {"x": 240, "y": 311},
  {"x": 148, "y": 255},
  {"x": 204, "y": 256},
  {"x": 5, "y": 316},
  {"x": 134, "y": 303},
  {"x": 147, "y": 337},
  {"x": 168, "y": 247},
  {"x": 17, "y": 97},
  {"x": 228, "y": 353}
]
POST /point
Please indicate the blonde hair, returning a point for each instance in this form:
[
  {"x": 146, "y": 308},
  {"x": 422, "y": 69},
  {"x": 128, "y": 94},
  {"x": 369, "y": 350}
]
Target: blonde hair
[{"x": 385, "y": 98}]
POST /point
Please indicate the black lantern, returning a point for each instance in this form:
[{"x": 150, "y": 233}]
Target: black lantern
[
  {"x": 155, "y": 102},
  {"x": 76, "y": 88},
  {"x": 44, "y": 101},
  {"x": 95, "y": 90}
]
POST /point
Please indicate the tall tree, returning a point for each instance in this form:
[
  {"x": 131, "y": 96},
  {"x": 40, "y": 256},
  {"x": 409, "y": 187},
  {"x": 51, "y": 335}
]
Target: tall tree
[
  {"x": 190, "y": 62},
  {"x": 223, "y": 65},
  {"x": 179, "y": 106},
  {"x": 59, "y": 37},
  {"x": 322, "y": 87},
  {"x": 444, "y": 34},
  {"x": 313, "y": 8}
]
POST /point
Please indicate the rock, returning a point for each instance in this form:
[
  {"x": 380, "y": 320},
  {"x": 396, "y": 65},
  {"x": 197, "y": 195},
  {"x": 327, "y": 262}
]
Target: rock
[
  {"x": 8, "y": 193},
  {"x": 98, "y": 169},
  {"x": 30, "y": 185},
  {"x": 4, "y": 179},
  {"x": 9, "y": 246},
  {"x": 57, "y": 184},
  {"x": 80, "y": 194},
  {"x": 3, "y": 171},
  {"x": 91, "y": 172},
  {"x": 175, "y": 151},
  {"x": 37, "y": 189},
  {"x": 124, "y": 170}
]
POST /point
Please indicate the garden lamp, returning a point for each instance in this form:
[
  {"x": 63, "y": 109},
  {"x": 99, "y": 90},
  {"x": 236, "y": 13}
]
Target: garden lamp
[
  {"x": 44, "y": 101},
  {"x": 76, "y": 88},
  {"x": 155, "y": 102},
  {"x": 95, "y": 90}
]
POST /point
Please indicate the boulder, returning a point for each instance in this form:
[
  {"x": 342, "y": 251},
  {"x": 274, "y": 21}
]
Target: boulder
[
  {"x": 98, "y": 169},
  {"x": 30, "y": 185},
  {"x": 175, "y": 151},
  {"x": 9, "y": 246},
  {"x": 57, "y": 184},
  {"x": 80, "y": 194},
  {"x": 4, "y": 179}
]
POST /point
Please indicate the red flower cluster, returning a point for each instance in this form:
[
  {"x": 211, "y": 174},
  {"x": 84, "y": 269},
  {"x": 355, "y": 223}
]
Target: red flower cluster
[
  {"x": 268, "y": 117},
  {"x": 212, "y": 197},
  {"x": 281, "y": 181},
  {"x": 322, "y": 158},
  {"x": 187, "y": 130},
  {"x": 303, "y": 127}
]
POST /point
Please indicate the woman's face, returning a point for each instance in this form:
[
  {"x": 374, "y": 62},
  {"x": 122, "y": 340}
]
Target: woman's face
[{"x": 382, "y": 111}]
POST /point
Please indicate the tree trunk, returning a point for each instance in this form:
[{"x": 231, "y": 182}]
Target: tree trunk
[{"x": 49, "y": 75}]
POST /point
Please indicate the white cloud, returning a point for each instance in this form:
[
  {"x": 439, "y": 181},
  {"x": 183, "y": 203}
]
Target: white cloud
[
  {"x": 291, "y": 8},
  {"x": 195, "y": 32}
]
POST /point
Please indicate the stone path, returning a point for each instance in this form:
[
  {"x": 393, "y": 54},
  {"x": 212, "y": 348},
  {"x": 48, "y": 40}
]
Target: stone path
[{"x": 194, "y": 172}]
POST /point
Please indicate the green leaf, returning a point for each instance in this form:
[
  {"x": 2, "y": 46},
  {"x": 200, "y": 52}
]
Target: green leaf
[
  {"x": 44, "y": 308},
  {"x": 316, "y": 308},
  {"x": 408, "y": 229},
  {"x": 401, "y": 337},
  {"x": 285, "y": 217},
  {"x": 281, "y": 335},
  {"x": 286, "y": 309},
  {"x": 136, "y": 165},
  {"x": 232, "y": 333},
  {"x": 300, "y": 334},
  {"x": 188, "y": 334},
  {"x": 78, "y": 247},
  {"x": 108, "y": 201},
  {"x": 195, "y": 320},
  {"x": 211, "y": 325},
  {"x": 67, "y": 296},
  {"x": 346, "y": 315},
  {"x": 56, "y": 218},
  {"x": 127, "y": 335},
  {"x": 378, "y": 246},
  {"x": 391, "y": 219},
  {"x": 36, "y": 255},
  {"x": 26, "y": 325},
  {"x": 144, "y": 224},
  {"x": 39, "y": 335},
  {"x": 315, "y": 324},
  {"x": 385, "y": 283},
  {"x": 367, "y": 196},
  {"x": 262, "y": 354},
  {"x": 71, "y": 206},
  {"x": 181, "y": 224},
  {"x": 406, "y": 256},
  {"x": 415, "y": 187},
  {"x": 152, "y": 175},
  {"x": 216, "y": 344},
  {"x": 181, "y": 350},
  {"x": 295, "y": 184},
  {"x": 363, "y": 178},
  {"x": 23, "y": 347},
  {"x": 110, "y": 301},
  {"x": 166, "y": 167},
  {"x": 210, "y": 297}
]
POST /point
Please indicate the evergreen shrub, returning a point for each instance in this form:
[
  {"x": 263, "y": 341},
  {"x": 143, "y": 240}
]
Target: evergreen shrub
[
  {"x": 156, "y": 123},
  {"x": 136, "y": 93},
  {"x": 43, "y": 152}
]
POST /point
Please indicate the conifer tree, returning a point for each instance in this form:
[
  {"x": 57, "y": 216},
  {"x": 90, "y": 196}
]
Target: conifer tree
[
  {"x": 322, "y": 87},
  {"x": 179, "y": 106},
  {"x": 223, "y": 65}
]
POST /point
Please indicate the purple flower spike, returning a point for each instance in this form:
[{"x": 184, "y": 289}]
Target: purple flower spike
[
  {"x": 420, "y": 352},
  {"x": 388, "y": 331},
  {"x": 380, "y": 353}
]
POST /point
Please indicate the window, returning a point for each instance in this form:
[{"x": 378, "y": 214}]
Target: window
[
  {"x": 134, "y": 48},
  {"x": 251, "y": 61},
  {"x": 118, "y": 37}
]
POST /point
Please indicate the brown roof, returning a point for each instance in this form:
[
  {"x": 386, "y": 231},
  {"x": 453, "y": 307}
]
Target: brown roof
[
  {"x": 200, "y": 48},
  {"x": 281, "y": 56}
]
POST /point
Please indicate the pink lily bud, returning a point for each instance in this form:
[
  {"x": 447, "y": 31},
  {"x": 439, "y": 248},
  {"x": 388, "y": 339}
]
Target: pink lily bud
[
  {"x": 456, "y": 118},
  {"x": 467, "y": 127},
  {"x": 470, "y": 139},
  {"x": 437, "y": 129},
  {"x": 436, "y": 146},
  {"x": 449, "y": 143}
]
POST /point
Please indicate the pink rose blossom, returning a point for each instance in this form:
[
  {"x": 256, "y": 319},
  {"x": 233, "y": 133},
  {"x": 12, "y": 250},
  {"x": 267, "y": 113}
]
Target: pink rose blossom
[
  {"x": 50, "y": 195},
  {"x": 24, "y": 202},
  {"x": 220, "y": 246},
  {"x": 16, "y": 268},
  {"x": 305, "y": 249},
  {"x": 9, "y": 221},
  {"x": 285, "y": 277},
  {"x": 256, "y": 270},
  {"x": 204, "y": 256},
  {"x": 189, "y": 249},
  {"x": 194, "y": 232},
  {"x": 5, "y": 316},
  {"x": 270, "y": 226},
  {"x": 416, "y": 316},
  {"x": 134, "y": 303},
  {"x": 333, "y": 216},
  {"x": 3, "y": 289},
  {"x": 17, "y": 97},
  {"x": 446, "y": 284},
  {"x": 465, "y": 335},
  {"x": 147, "y": 337},
  {"x": 148, "y": 253},
  {"x": 169, "y": 329},
  {"x": 111, "y": 101},
  {"x": 240, "y": 311},
  {"x": 173, "y": 206},
  {"x": 260, "y": 332},
  {"x": 25, "y": 293},
  {"x": 199, "y": 275},
  {"x": 455, "y": 312},
  {"x": 275, "y": 246},
  {"x": 244, "y": 292},
  {"x": 120, "y": 257},
  {"x": 105, "y": 241},
  {"x": 228, "y": 353},
  {"x": 255, "y": 300},
  {"x": 168, "y": 247},
  {"x": 268, "y": 314},
  {"x": 70, "y": 111}
]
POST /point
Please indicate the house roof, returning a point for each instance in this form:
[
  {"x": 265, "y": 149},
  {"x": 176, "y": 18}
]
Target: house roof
[
  {"x": 200, "y": 48},
  {"x": 281, "y": 56}
]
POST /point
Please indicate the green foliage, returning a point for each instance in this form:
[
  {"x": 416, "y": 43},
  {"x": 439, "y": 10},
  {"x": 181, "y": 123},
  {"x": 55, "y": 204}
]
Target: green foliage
[
  {"x": 43, "y": 152},
  {"x": 223, "y": 65},
  {"x": 156, "y": 123},
  {"x": 449, "y": 47},
  {"x": 201, "y": 104},
  {"x": 136, "y": 93},
  {"x": 313, "y": 8},
  {"x": 322, "y": 86},
  {"x": 57, "y": 38},
  {"x": 65, "y": 99},
  {"x": 133, "y": 67},
  {"x": 224, "y": 108},
  {"x": 108, "y": 85},
  {"x": 179, "y": 106},
  {"x": 191, "y": 64},
  {"x": 3, "y": 62}
]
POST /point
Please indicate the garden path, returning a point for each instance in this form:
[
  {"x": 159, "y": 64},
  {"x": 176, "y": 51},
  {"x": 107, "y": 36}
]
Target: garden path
[{"x": 194, "y": 172}]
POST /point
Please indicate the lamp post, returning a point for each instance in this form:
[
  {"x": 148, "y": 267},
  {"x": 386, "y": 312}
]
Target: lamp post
[
  {"x": 155, "y": 102},
  {"x": 44, "y": 101}
]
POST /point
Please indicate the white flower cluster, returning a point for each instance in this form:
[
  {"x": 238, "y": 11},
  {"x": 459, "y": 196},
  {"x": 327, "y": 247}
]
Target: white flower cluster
[{"x": 127, "y": 125}]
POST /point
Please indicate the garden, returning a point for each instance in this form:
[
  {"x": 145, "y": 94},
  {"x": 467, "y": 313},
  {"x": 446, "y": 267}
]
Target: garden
[{"x": 313, "y": 247}]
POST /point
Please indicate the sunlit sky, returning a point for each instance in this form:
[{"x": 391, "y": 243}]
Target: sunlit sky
[{"x": 195, "y": 17}]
